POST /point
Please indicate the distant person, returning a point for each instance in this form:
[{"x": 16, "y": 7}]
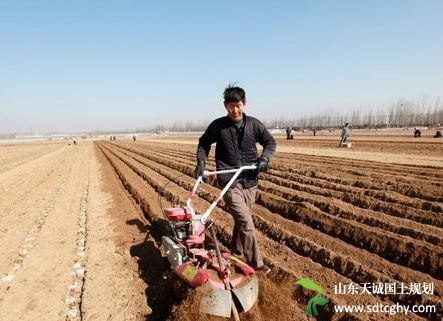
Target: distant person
[
  {"x": 134, "y": 138},
  {"x": 438, "y": 134},
  {"x": 289, "y": 133},
  {"x": 314, "y": 131},
  {"x": 344, "y": 135},
  {"x": 417, "y": 132}
]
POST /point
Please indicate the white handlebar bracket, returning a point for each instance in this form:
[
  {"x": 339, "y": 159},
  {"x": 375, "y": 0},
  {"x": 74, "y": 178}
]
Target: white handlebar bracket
[{"x": 237, "y": 172}]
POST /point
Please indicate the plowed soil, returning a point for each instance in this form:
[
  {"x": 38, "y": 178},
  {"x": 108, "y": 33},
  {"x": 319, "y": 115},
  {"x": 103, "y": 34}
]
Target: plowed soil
[{"x": 332, "y": 218}]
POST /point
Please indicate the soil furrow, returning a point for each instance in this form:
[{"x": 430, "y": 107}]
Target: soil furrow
[
  {"x": 273, "y": 248},
  {"x": 342, "y": 264}
]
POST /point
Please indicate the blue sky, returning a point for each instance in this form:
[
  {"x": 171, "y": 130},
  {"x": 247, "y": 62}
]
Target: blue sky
[{"x": 85, "y": 65}]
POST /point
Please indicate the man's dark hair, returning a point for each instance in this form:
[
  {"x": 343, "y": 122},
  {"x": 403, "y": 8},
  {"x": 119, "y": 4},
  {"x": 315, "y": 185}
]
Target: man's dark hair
[{"x": 234, "y": 94}]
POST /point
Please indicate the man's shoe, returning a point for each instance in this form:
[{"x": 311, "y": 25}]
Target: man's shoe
[{"x": 263, "y": 269}]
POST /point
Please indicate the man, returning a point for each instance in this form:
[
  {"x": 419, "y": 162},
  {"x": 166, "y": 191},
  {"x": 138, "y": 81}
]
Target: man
[
  {"x": 417, "y": 132},
  {"x": 344, "y": 134},
  {"x": 236, "y": 136},
  {"x": 289, "y": 134}
]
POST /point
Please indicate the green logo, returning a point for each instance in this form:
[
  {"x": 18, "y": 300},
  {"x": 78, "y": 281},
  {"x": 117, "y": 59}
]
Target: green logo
[{"x": 318, "y": 299}]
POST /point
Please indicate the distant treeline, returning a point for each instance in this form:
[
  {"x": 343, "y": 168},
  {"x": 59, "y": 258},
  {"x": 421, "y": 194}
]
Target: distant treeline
[
  {"x": 181, "y": 126},
  {"x": 404, "y": 113},
  {"x": 7, "y": 136}
]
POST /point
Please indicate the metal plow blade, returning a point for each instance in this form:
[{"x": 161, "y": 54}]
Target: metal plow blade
[
  {"x": 247, "y": 295},
  {"x": 218, "y": 303},
  {"x": 221, "y": 303}
]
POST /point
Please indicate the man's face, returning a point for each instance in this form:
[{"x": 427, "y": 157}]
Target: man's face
[{"x": 235, "y": 110}]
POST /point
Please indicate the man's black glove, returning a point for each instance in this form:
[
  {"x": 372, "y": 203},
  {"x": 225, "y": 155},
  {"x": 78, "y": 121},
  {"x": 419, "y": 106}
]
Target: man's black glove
[
  {"x": 200, "y": 168},
  {"x": 262, "y": 165}
]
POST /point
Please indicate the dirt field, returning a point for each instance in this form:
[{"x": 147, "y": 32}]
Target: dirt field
[{"x": 80, "y": 227}]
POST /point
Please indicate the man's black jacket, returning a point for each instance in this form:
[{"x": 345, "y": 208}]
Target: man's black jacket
[{"x": 236, "y": 147}]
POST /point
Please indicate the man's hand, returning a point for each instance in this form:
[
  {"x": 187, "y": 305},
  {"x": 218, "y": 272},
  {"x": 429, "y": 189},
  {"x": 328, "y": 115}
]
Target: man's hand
[
  {"x": 200, "y": 168},
  {"x": 262, "y": 165}
]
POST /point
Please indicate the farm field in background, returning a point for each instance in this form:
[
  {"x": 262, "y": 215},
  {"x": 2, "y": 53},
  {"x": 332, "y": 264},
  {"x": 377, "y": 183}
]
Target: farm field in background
[{"x": 368, "y": 214}]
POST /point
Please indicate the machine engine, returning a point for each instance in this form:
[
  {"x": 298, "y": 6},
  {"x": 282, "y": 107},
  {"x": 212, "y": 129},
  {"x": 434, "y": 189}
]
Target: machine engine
[{"x": 179, "y": 220}]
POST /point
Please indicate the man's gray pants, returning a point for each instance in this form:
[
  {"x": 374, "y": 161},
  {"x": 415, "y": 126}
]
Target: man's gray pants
[
  {"x": 244, "y": 241},
  {"x": 343, "y": 140}
]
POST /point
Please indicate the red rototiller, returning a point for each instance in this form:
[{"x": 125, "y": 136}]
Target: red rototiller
[{"x": 234, "y": 287}]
